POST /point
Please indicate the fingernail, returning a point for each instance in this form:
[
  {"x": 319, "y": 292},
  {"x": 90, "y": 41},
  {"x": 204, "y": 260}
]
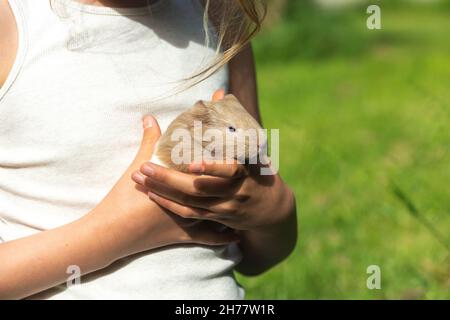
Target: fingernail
[
  {"x": 152, "y": 196},
  {"x": 148, "y": 170},
  {"x": 197, "y": 168},
  {"x": 138, "y": 178},
  {"x": 148, "y": 122}
]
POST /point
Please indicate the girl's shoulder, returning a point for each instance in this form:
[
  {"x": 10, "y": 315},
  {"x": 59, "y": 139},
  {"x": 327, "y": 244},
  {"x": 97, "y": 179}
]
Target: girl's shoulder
[{"x": 8, "y": 40}]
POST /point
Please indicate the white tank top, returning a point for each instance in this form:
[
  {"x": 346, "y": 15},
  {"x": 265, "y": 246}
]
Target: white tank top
[{"x": 70, "y": 124}]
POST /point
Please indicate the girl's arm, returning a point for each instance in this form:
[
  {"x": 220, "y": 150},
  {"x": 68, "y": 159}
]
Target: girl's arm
[
  {"x": 265, "y": 247},
  {"x": 38, "y": 262},
  {"x": 35, "y": 263},
  {"x": 261, "y": 207},
  {"x": 122, "y": 224},
  {"x": 243, "y": 81}
]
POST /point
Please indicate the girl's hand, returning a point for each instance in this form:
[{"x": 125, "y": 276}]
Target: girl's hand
[
  {"x": 261, "y": 208},
  {"x": 122, "y": 224},
  {"x": 232, "y": 195},
  {"x": 225, "y": 193},
  {"x": 135, "y": 224}
]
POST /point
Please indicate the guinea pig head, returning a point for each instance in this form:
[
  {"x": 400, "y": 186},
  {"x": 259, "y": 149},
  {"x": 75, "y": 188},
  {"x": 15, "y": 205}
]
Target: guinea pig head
[{"x": 227, "y": 126}]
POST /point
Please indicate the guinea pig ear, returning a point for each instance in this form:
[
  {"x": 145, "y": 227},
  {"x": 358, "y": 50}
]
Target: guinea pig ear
[
  {"x": 199, "y": 105},
  {"x": 201, "y": 109}
]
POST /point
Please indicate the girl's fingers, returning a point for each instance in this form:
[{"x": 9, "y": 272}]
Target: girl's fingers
[
  {"x": 217, "y": 205},
  {"x": 204, "y": 186},
  {"x": 182, "y": 210},
  {"x": 182, "y": 198},
  {"x": 151, "y": 134},
  {"x": 232, "y": 170},
  {"x": 222, "y": 206}
]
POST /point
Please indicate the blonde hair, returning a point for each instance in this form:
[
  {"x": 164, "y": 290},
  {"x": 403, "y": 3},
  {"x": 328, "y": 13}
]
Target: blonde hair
[{"x": 235, "y": 23}]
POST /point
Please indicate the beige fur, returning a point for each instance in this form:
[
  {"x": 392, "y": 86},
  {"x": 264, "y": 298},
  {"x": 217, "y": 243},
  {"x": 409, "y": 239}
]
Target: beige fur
[{"x": 221, "y": 115}]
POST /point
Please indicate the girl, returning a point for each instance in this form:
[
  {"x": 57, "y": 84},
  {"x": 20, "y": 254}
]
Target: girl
[{"x": 77, "y": 77}]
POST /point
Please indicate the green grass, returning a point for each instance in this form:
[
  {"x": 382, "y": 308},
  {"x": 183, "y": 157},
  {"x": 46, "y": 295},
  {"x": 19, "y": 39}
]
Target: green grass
[{"x": 364, "y": 145}]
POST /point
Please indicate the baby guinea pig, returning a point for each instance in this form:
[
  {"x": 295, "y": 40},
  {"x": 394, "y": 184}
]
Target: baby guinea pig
[{"x": 228, "y": 118}]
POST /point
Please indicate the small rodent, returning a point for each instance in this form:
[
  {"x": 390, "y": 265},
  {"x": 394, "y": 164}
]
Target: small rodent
[{"x": 227, "y": 115}]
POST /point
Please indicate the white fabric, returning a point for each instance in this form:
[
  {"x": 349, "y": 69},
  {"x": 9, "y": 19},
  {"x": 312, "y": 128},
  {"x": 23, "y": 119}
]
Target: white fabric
[{"x": 70, "y": 124}]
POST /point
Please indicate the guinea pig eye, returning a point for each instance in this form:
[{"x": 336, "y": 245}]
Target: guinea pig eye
[{"x": 231, "y": 129}]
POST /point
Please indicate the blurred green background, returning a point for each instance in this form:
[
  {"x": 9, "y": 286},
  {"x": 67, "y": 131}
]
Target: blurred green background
[{"x": 363, "y": 118}]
